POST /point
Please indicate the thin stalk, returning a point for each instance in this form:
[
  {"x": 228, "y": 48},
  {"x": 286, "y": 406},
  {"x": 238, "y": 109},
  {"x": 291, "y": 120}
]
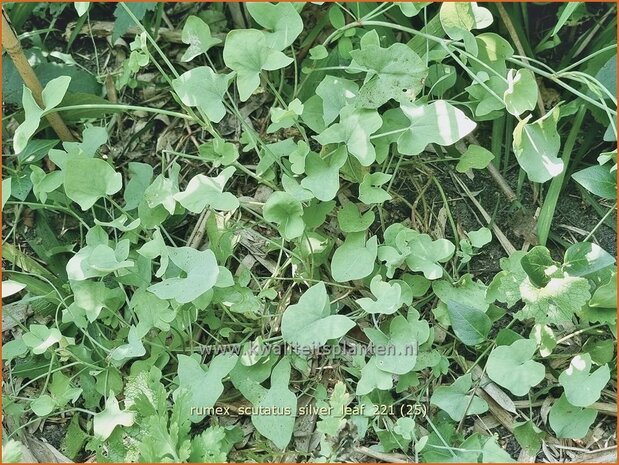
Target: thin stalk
[
  {"x": 151, "y": 40},
  {"x": 94, "y": 106},
  {"x": 588, "y": 57},
  {"x": 498, "y": 128},
  {"x": 449, "y": 215},
  {"x": 554, "y": 191},
  {"x": 604, "y": 218},
  {"x": 556, "y": 80},
  {"x": 412, "y": 31}
]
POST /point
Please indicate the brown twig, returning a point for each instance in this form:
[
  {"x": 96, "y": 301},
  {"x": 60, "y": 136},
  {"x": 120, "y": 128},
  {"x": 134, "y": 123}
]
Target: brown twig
[
  {"x": 391, "y": 458},
  {"x": 196, "y": 236},
  {"x": 502, "y": 238},
  {"x": 11, "y": 44},
  {"x": 498, "y": 178}
]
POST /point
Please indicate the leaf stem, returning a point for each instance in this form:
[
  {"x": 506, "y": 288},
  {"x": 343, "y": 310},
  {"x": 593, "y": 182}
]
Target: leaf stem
[{"x": 113, "y": 106}]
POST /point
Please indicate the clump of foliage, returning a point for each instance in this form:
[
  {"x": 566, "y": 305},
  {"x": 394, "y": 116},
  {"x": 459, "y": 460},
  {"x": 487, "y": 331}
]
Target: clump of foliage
[{"x": 201, "y": 276}]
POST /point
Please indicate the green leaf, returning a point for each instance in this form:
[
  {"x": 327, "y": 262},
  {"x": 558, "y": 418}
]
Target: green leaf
[
  {"x": 246, "y": 52},
  {"x": 6, "y": 190},
  {"x": 309, "y": 322},
  {"x": 475, "y": 157},
  {"x": 536, "y": 146},
  {"x": 10, "y": 287},
  {"x": 43, "y": 405},
  {"x": 601, "y": 351},
  {"x": 486, "y": 98},
  {"x": 282, "y": 403},
  {"x": 203, "y": 192},
  {"x": 480, "y": 237},
  {"x": 284, "y": 118},
  {"x": 396, "y": 353},
  {"x": 92, "y": 297},
  {"x": 156, "y": 248},
  {"x": 458, "y": 19},
  {"x": 123, "y": 21},
  {"x": 203, "y": 88},
  {"x": 12, "y": 451},
  {"x": 410, "y": 9},
  {"x": 538, "y": 265},
  {"x": 456, "y": 400},
  {"x": 607, "y": 75},
  {"x": 336, "y": 93},
  {"x": 62, "y": 390},
  {"x": 219, "y": 152},
  {"x": 388, "y": 297},
  {"x": 316, "y": 213},
  {"x": 204, "y": 386},
  {"x": 44, "y": 183},
  {"x": 11, "y": 350},
  {"x": 354, "y": 129},
  {"x": 93, "y": 138},
  {"x": 494, "y": 50},
  {"x": 465, "y": 291},
  {"x": 492, "y": 452},
  {"x": 511, "y": 367},
  {"x": 569, "y": 422},
  {"x": 351, "y": 220},
  {"x": 469, "y": 323},
  {"x": 355, "y": 258},
  {"x": 557, "y": 302},
  {"x": 52, "y": 95},
  {"x": 282, "y": 19},
  {"x": 568, "y": 10},
  {"x": 585, "y": 258},
  {"x": 521, "y": 93},
  {"x": 293, "y": 188},
  {"x": 370, "y": 191},
  {"x": 81, "y": 8},
  {"x": 36, "y": 150},
  {"x": 372, "y": 378},
  {"x": 133, "y": 348},
  {"x": 438, "y": 122},
  {"x": 318, "y": 52},
  {"x": 271, "y": 154},
  {"x": 605, "y": 296},
  {"x": 120, "y": 223},
  {"x": 197, "y": 35},
  {"x": 152, "y": 312},
  {"x": 392, "y": 73},
  {"x": 214, "y": 444},
  {"x": 201, "y": 273},
  {"x": 529, "y": 436},
  {"x": 599, "y": 180},
  {"x": 323, "y": 174},
  {"x": 141, "y": 175},
  {"x": 426, "y": 254},
  {"x": 98, "y": 260},
  {"x": 112, "y": 416},
  {"x": 583, "y": 387},
  {"x": 545, "y": 338},
  {"x": 87, "y": 180},
  {"x": 287, "y": 212},
  {"x": 40, "y": 338},
  {"x": 505, "y": 286}
]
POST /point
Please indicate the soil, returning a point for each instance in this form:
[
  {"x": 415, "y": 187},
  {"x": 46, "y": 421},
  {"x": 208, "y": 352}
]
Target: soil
[{"x": 573, "y": 220}]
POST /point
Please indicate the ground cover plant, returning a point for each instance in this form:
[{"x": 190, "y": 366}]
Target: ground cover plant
[{"x": 318, "y": 232}]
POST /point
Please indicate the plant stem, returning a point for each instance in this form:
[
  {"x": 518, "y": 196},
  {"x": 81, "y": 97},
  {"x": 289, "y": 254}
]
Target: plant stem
[
  {"x": 13, "y": 48},
  {"x": 112, "y": 106},
  {"x": 552, "y": 196}
]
